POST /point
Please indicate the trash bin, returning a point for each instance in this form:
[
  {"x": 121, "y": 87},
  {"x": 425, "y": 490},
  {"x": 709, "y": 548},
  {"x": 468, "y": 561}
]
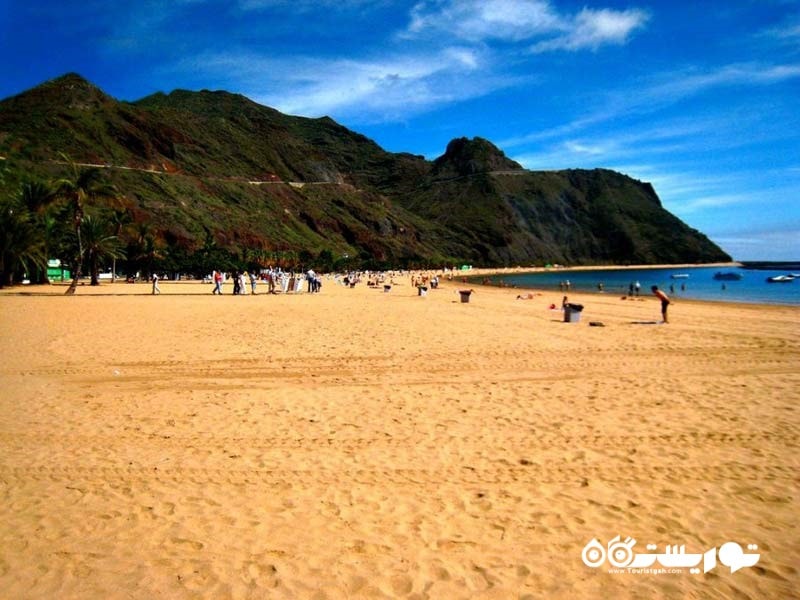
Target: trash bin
[
  {"x": 386, "y": 289},
  {"x": 422, "y": 290},
  {"x": 572, "y": 312},
  {"x": 465, "y": 294}
]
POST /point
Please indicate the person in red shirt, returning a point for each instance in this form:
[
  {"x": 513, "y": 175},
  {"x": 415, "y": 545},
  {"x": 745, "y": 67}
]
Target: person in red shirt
[
  {"x": 217, "y": 283},
  {"x": 664, "y": 301}
]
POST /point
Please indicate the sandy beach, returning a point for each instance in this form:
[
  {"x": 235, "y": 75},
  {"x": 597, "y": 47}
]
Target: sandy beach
[{"x": 361, "y": 444}]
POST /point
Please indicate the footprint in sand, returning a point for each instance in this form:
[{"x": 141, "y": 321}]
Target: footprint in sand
[
  {"x": 402, "y": 585},
  {"x": 194, "y": 544}
]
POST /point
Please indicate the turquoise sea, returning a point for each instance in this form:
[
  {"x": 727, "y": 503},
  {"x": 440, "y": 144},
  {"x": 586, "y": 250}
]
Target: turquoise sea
[{"x": 699, "y": 285}]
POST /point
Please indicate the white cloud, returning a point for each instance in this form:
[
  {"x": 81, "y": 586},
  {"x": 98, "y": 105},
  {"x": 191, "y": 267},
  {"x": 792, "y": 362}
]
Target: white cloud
[
  {"x": 786, "y": 34},
  {"x": 594, "y": 28},
  {"x": 477, "y": 20},
  {"x": 577, "y": 147},
  {"x": 525, "y": 20}
]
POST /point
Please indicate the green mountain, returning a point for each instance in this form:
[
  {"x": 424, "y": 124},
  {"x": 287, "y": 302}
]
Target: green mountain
[{"x": 205, "y": 167}]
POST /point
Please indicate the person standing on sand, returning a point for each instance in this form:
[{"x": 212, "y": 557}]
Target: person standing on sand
[
  {"x": 664, "y": 301},
  {"x": 156, "y": 289},
  {"x": 217, "y": 283},
  {"x": 236, "y": 280}
]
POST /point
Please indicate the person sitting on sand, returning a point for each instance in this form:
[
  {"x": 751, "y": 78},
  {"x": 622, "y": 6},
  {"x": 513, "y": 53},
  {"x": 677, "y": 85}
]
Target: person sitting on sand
[{"x": 664, "y": 301}]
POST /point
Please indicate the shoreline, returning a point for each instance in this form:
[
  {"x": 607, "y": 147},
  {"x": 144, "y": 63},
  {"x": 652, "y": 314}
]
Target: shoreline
[
  {"x": 475, "y": 280},
  {"x": 486, "y": 271}
]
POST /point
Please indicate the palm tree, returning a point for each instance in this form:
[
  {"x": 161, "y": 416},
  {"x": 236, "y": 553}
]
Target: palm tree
[
  {"x": 145, "y": 250},
  {"x": 82, "y": 186},
  {"x": 119, "y": 218},
  {"x": 21, "y": 242},
  {"x": 99, "y": 244},
  {"x": 37, "y": 197}
]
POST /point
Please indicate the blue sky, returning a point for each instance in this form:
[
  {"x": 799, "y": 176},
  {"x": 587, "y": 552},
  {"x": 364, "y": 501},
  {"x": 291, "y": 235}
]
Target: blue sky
[{"x": 700, "y": 98}]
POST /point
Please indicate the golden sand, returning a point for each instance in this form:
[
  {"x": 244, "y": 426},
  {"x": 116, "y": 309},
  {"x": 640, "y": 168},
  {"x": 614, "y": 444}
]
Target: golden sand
[{"x": 361, "y": 444}]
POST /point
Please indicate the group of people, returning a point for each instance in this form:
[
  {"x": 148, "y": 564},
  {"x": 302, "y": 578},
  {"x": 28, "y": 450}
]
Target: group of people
[
  {"x": 276, "y": 280},
  {"x": 425, "y": 279}
]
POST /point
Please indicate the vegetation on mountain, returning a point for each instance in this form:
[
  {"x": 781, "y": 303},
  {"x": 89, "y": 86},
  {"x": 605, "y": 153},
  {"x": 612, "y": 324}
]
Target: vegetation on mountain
[{"x": 202, "y": 180}]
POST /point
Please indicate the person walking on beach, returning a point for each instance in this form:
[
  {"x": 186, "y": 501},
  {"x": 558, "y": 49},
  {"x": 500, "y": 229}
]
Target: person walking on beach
[
  {"x": 217, "y": 283},
  {"x": 156, "y": 289},
  {"x": 664, "y": 301}
]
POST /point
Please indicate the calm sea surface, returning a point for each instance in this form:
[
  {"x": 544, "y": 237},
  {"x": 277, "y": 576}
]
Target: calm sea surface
[{"x": 700, "y": 283}]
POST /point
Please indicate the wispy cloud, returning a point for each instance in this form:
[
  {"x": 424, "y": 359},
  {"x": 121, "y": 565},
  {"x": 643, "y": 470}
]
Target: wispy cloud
[
  {"x": 787, "y": 33},
  {"x": 487, "y": 49},
  {"x": 382, "y": 88},
  {"x": 601, "y": 147},
  {"x": 594, "y": 28},
  {"x": 680, "y": 84},
  {"x": 661, "y": 90},
  {"x": 478, "y": 20},
  {"x": 525, "y": 20}
]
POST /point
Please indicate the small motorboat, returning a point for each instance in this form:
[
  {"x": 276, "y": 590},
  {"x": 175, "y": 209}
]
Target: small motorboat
[
  {"x": 780, "y": 279},
  {"x": 680, "y": 276},
  {"x": 727, "y": 276}
]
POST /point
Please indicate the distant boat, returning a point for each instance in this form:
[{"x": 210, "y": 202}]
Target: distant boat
[
  {"x": 727, "y": 276},
  {"x": 780, "y": 279},
  {"x": 680, "y": 276}
]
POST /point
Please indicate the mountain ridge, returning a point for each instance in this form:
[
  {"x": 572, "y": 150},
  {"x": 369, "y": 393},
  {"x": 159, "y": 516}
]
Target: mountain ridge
[{"x": 216, "y": 165}]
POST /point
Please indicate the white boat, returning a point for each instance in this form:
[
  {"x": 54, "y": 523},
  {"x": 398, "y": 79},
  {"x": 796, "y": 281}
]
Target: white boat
[
  {"x": 780, "y": 279},
  {"x": 680, "y": 276}
]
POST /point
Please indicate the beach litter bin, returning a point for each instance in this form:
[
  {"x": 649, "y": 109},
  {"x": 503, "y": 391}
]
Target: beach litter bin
[
  {"x": 386, "y": 289},
  {"x": 572, "y": 312},
  {"x": 422, "y": 290},
  {"x": 465, "y": 294}
]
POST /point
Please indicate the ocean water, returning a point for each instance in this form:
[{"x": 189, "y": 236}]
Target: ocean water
[{"x": 700, "y": 285}]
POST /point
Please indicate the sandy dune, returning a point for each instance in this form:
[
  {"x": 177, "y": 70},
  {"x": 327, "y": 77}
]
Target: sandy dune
[{"x": 360, "y": 444}]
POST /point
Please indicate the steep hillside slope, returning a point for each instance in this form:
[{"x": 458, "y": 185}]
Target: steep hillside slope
[{"x": 200, "y": 166}]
